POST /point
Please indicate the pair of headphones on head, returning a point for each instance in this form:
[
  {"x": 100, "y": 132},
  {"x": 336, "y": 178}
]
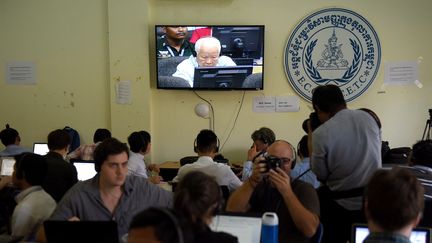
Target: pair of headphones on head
[{"x": 207, "y": 134}]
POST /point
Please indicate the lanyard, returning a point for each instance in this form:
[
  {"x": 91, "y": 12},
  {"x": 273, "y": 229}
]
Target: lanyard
[{"x": 172, "y": 53}]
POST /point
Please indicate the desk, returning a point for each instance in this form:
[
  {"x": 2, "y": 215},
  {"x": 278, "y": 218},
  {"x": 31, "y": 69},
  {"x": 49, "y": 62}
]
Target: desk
[{"x": 168, "y": 170}]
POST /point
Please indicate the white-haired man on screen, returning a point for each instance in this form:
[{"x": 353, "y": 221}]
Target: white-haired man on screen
[{"x": 208, "y": 51}]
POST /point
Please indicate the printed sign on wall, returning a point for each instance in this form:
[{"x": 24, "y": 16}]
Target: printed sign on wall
[{"x": 332, "y": 46}]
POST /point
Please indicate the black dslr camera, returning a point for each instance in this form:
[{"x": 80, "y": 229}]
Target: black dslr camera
[
  {"x": 314, "y": 121},
  {"x": 272, "y": 162}
]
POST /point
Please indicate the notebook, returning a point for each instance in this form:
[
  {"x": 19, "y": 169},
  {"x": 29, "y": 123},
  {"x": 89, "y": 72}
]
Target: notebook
[
  {"x": 246, "y": 227},
  {"x": 418, "y": 235},
  {"x": 81, "y": 231},
  {"x": 40, "y": 148},
  {"x": 85, "y": 169},
  {"x": 7, "y": 166}
]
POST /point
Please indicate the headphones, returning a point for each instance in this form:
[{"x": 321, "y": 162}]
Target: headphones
[
  {"x": 206, "y": 133},
  {"x": 174, "y": 221}
]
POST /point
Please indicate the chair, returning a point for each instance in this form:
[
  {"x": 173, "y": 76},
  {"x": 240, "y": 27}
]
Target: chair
[
  {"x": 426, "y": 220},
  {"x": 168, "y": 66},
  {"x": 172, "y": 82},
  {"x": 318, "y": 234},
  {"x": 253, "y": 81}
]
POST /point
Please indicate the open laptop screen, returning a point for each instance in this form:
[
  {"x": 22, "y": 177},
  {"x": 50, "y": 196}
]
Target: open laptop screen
[
  {"x": 7, "y": 166},
  {"x": 418, "y": 235},
  {"x": 246, "y": 227},
  {"x": 40, "y": 148},
  {"x": 85, "y": 169},
  {"x": 81, "y": 231}
]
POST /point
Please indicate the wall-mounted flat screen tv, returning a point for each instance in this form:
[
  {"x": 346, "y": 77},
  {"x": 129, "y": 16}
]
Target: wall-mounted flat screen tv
[{"x": 211, "y": 57}]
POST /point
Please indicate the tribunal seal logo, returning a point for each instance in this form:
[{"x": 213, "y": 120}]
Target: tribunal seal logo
[{"x": 332, "y": 46}]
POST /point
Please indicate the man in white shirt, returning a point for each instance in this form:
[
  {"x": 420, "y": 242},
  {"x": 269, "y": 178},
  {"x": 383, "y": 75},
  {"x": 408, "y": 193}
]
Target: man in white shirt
[
  {"x": 34, "y": 205},
  {"x": 140, "y": 145},
  {"x": 207, "y": 145},
  {"x": 208, "y": 51}
]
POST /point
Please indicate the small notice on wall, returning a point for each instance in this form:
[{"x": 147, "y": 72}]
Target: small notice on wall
[
  {"x": 287, "y": 104},
  {"x": 20, "y": 73},
  {"x": 123, "y": 92},
  {"x": 401, "y": 73},
  {"x": 264, "y": 104}
]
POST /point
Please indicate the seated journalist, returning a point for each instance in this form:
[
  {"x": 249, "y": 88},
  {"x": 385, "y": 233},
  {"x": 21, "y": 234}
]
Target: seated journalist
[
  {"x": 393, "y": 205},
  {"x": 111, "y": 194},
  {"x": 295, "y": 202},
  {"x": 207, "y": 55}
]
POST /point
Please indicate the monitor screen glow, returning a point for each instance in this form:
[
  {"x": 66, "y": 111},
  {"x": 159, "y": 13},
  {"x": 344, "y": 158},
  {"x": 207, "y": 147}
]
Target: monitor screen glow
[
  {"x": 246, "y": 228},
  {"x": 7, "y": 166},
  {"x": 40, "y": 148},
  {"x": 85, "y": 170}
]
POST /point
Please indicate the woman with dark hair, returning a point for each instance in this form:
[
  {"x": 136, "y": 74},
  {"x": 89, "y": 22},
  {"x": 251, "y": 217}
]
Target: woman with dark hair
[{"x": 198, "y": 198}]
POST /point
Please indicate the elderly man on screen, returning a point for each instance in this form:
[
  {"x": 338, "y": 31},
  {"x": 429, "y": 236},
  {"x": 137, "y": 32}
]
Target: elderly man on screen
[{"x": 208, "y": 51}]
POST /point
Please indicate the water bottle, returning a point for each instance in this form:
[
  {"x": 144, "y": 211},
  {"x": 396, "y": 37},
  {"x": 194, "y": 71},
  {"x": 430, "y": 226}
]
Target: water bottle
[{"x": 269, "y": 231}]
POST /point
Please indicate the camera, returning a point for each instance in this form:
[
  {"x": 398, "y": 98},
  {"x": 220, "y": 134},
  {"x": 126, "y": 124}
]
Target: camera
[
  {"x": 314, "y": 120},
  {"x": 430, "y": 114},
  {"x": 272, "y": 162}
]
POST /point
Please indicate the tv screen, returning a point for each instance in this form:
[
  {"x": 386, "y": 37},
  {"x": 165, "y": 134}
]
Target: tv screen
[{"x": 214, "y": 57}]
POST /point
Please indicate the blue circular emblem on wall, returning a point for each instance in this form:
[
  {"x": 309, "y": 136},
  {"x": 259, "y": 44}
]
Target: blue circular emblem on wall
[{"x": 332, "y": 46}]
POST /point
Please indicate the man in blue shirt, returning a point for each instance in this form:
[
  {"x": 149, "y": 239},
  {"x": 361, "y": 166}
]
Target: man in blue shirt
[{"x": 11, "y": 140}]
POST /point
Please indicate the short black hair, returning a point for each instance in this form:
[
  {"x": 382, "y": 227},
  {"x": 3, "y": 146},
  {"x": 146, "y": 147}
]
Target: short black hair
[
  {"x": 58, "y": 139},
  {"x": 167, "y": 224},
  {"x": 110, "y": 146},
  {"x": 139, "y": 141},
  {"x": 328, "y": 98},
  {"x": 206, "y": 141},
  {"x": 101, "y": 134},
  {"x": 31, "y": 167},
  {"x": 302, "y": 147},
  {"x": 264, "y": 134},
  {"x": 8, "y": 135}
]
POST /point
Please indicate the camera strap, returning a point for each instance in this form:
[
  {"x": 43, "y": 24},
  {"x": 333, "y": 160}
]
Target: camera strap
[{"x": 302, "y": 174}]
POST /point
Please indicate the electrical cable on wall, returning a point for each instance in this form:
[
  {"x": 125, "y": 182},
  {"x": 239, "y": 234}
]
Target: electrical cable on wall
[{"x": 235, "y": 121}]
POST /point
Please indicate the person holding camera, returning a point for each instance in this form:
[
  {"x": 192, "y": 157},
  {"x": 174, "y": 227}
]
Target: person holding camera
[
  {"x": 345, "y": 152},
  {"x": 270, "y": 189},
  {"x": 262, "y": 138}
]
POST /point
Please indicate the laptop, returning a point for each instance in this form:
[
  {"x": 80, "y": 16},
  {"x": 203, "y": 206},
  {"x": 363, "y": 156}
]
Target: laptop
[
  {"x": 418, "y": 234},
  {"x": 7, "y": 166},
  {"x": 246, "y": 227},
  {"x": 85, "y": 169},
  {"x": 81, "y": 231},
  {"x": 40, "y": 148}
]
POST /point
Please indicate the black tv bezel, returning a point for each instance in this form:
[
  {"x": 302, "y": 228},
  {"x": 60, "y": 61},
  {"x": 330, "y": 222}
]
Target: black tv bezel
[{"x": 209, "y": 89}]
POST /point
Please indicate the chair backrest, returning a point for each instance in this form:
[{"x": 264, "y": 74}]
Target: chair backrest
[
  {"x": 168, "y": 66},
  {"x": 253, "y": 81},
  {"x": 225, "y": 192},
  {"x": 318, "y": 234},
  {"x": 427, "y": 214},
  {"x": 172, "y": 82}
]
